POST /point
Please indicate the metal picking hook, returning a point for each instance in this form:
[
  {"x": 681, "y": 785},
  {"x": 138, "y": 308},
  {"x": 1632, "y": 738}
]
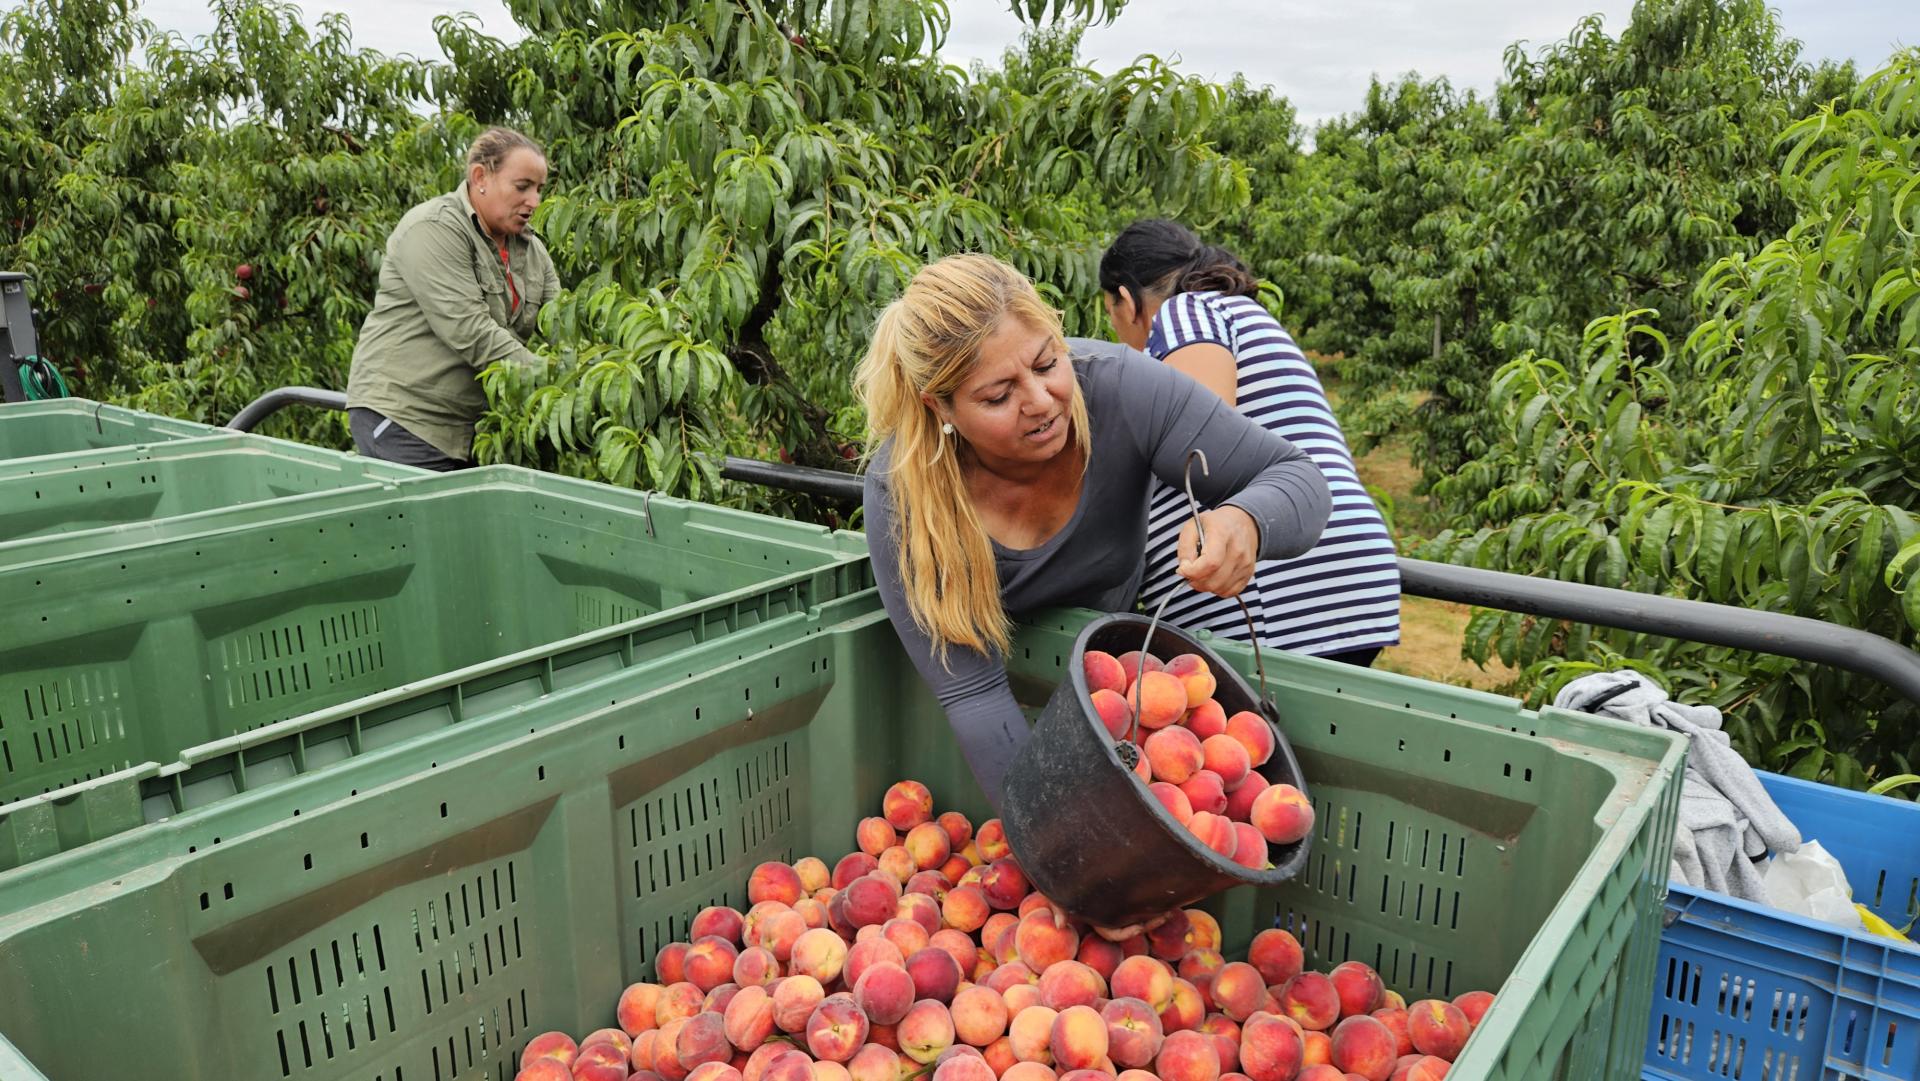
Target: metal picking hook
[{"x": 1193, "y": 505}]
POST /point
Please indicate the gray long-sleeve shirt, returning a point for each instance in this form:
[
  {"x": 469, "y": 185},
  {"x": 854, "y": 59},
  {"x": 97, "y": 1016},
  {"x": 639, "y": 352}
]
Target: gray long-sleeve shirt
[{"x": 1144, "y": 419}]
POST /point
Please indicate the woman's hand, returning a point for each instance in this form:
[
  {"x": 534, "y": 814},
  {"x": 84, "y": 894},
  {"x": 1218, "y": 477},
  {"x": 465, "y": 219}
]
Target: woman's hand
[{"x": 1233, "y": 546}]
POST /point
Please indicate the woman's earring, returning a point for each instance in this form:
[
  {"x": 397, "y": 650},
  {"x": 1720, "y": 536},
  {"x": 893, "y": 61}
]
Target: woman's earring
[
  {"x": 483, "y": 191},
  {"x": 947, "y": 428}
]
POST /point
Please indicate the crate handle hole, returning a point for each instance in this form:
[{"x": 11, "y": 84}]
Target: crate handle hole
[{"x": 363, "y": 840}]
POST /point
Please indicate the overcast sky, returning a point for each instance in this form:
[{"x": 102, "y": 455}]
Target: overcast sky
[{"x": 1319, "y": 53}]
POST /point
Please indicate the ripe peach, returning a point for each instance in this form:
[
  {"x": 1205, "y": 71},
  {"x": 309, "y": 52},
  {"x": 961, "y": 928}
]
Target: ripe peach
[
  {"x": 1391, "y": 1000},
  {"x": 794, "y": 1000},
  {"x": 557, "y": 1046},
  {"x": 983, "y": 965},
  {"x": 887, "y": 1036},
  {"x": 710, "y": 1071},
  {"x": 1214, "y": 832},
  {"x": 544, "y": 1069},
  {"x": 1024, "y": 1071},
  {"x": 1104, "y": 671},
  {"x": 1253, "y": 732},
  {"x": 1277, "y": 954},
  {"x": 1148, "y": 979},
  {"x": 1359, "y": 988},
  {"x": 929, "y": 845},
  {"x": 1042, "y": 942},
  {"x": 1239, "y": 990},
  {"x": 907, "y": 804},
  {"x": 1188, "y": 1010},
  {"x": 1428, "y": 1068},
  {"x": 837, "y": 1028},
  {"x": 1270, "y": 1048},
  {"x": 1031, "y": 1032},
  {"x": 1320, "y": 1072},
  {"x": 1240, "y": 800},
  {"x": 1201, "y": 964},
  {"x": 1005, "y": 884},
  {"x": 1174, "y": 800},
  {"x": 925, "y": 1031},
  {"x": 1132, "y": 664},
  {"x": 1203, "y": 931},
  {"x": 1250, "y": 848},
  {"x": 979, "y": 1016},
  {"x": 959, "y": 829},
  {"x": 1475, "y": 1005},
  {"x": 1282, "y": 814},
  {"x": 991, "y": 840},
  {"x": 1142, "y": 1075},
  {"x": 1114, "y": 712},
  {"x": 703, "y": 1039},
  {"x": 920, "y": 909},
  {"x": 1070, "y": 983},
  {"x": 1396, "y": 1022},
  {"x": 909, "y": 936},
  {"x": 716, "y": 920},
  {"x": 1227, "y": 757},
  {"x": 898, "y": 863},
  {"x": 997, "y": 936},
  {"x": 814, "y": 912},
  {"x": 1438, "y": 1027},
  {"x": 666, "y": 1058},
  {"x": 709, "y": 962},
  {"x": 958, "y": 946},
  {"x": 814, "y": 874},
  {"x": 1009, "y": 974},
  {"x": 1319, "y": 1047},
  {"x": 874, "y": 1062},
  {"x": 1311, "y": 1001},
  {"x": 1175, "y": 754},
  {"x": 1226, "y": 1039},
  {"x": 1364, "y": 1046},
  {"x": 855, "y": 865},
  {"x": 885, "y": 992},
  {"x": 777, "y": 934},
  {"x": 1190, "y": 1056},
  {"x": 953, "y": 870},
  {"x": 1206, "y": 719},
  {"x": 718, "y": 998},
  {"x": 1134, "y": 1032},
  {"x": 749, "y": 1018},
  {"x": 874, "y": 951},
  {"x": 599, "y": 1062},
  {"x": 677, "y": 1002},
  {"x": 936, "y": 975},
  {"x": 774, "y": 881},
  {"x": 1079, "y": 1038},
  {"x": 644, "y": 1048},
  {"x": 785, "y": 1064},
  {"x": 1159, "y": 699},
  {"x": 873, "y": 898},
  {"x": 964, "y": 1068},
  {"x": 821, "y": 954},
  {"x": 635, "y": 1010},
  {"x": 1205, "y": 792},
  {"x": 1194, "y": 675},
  {"x": 1022, "y": 996},
  {"x": 1101, "y": 956},
  {"x": 1168, "y": 941},
  {"x": 827, "y": 1071},
  {"x": 670, "y": 964},
  {"x": 1142, "y": 769}
]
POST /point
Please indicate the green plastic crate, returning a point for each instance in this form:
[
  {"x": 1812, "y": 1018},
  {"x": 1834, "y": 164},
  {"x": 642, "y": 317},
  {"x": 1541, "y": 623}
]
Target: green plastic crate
[
  {"x": 118, "y": 487},
  {"x": 427, "y": 920},
  {"x": 113, "y": 655},
  {"x": 32, "y": 429}
]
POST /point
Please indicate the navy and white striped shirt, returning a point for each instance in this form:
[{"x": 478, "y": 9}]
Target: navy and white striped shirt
[{"x": 1344, "y": 593}]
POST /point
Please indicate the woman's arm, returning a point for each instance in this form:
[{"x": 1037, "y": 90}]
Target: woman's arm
[
  {"x": 436, "y": 262},
  {"x": 971, "y": 686}
]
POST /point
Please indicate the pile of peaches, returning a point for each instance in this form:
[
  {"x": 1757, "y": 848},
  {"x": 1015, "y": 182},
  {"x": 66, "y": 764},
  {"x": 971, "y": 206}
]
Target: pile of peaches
[{"x": 926, "y": 954}]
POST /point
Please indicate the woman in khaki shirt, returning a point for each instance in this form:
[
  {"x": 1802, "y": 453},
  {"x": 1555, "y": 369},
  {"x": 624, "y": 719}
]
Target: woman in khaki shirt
[{"x": 460, "y": 289}]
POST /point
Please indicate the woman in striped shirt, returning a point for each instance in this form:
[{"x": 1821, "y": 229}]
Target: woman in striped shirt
[{"x": 1192, "y": 306}]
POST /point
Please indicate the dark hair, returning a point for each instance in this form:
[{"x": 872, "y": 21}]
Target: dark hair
[{"x": 1159, "y": 258}]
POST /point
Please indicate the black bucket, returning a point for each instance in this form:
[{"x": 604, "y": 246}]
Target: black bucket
[{"x": 1088, "y": 833}]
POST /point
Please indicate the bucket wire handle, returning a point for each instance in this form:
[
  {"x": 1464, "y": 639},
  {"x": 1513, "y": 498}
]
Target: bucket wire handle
[{"x": 1253, "y": 634}]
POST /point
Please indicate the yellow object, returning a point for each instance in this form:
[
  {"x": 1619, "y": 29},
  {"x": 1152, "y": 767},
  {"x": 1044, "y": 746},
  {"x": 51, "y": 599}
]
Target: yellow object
[{"x": 1879, "y": 926}]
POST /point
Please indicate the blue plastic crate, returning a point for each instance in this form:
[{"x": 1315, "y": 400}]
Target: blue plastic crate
[{"x": 1748, "y": 993}]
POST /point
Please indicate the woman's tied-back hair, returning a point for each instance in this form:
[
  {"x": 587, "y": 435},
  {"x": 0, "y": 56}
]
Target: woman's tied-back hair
[
  {"x": 1155, "y": 259},
  {"x": 490, "y": 150},
  {"x": 928, "y": 341}
]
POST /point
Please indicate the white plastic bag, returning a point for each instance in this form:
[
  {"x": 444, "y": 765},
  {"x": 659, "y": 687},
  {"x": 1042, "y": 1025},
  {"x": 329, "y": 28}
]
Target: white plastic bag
[{"x": 1811, "y": 883}]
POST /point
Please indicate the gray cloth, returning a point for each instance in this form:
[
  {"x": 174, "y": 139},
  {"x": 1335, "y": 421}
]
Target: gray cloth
[
  {"x": 1727, "y": 820},
  {"x": 1144, "y": 418}
]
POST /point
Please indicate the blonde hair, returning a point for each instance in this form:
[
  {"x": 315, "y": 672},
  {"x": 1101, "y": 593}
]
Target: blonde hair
[
  {"x": 928, "y": 342},
  {"x": 491, "y": 149}
]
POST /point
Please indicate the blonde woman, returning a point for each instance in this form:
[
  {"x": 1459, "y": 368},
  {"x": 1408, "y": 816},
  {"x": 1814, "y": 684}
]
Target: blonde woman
[{"x": 1010, "y": 472}]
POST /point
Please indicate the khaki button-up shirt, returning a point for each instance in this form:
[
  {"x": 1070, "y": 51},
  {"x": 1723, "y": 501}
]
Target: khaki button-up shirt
[{"x": 443, "y": 314}]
